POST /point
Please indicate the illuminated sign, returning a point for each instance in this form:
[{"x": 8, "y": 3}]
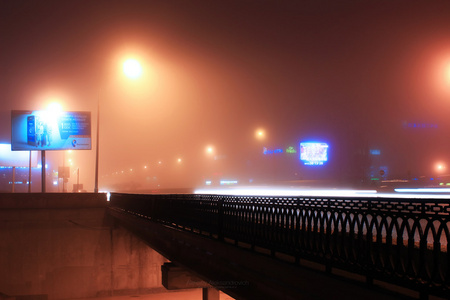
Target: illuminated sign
[
  {"x": 272, "y": 151},
  {"x": 10, "y": 158},
  {"x": 375, "y": 152},
  {"x": 228, "y": 182},
  {"x": 45, "y": 130},
  {"x": 313, "y": 154},
  {"x": 291, "y": 150},
  {"x": 415, "y": 125}
]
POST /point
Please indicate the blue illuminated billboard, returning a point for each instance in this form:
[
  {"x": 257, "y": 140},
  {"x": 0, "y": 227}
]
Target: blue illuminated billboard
[
  {"x": 313, "y": 153},
  {"x": 45, "y": 130}
]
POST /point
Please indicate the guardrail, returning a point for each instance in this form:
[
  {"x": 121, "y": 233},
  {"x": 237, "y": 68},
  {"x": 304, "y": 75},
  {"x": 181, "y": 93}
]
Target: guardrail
[{"x": 400, "y": 241}]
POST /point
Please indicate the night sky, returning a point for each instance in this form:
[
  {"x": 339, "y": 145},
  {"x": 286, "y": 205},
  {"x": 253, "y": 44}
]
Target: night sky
[{"x": 356, "y": 74}]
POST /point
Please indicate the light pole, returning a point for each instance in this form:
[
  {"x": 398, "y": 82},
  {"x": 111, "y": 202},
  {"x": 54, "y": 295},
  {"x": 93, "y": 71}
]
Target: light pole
[
  {"x": 133, "y": 70},
  {"x": 97, "y": 145}
]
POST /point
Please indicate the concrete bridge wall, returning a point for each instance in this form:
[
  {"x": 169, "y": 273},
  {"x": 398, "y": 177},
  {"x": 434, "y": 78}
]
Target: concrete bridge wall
[{"x": 65, "y": 246}]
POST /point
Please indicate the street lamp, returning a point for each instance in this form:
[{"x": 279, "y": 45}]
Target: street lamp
[
  {"x": 440, "y": 167},
  {"x": 447, "y": 74},
  {"x": 133, "y": 70},
  {"x": 260, "y": 134},
  {"x": 209, "y": 150}
]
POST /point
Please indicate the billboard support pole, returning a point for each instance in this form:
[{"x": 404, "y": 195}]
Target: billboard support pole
[
  {"x": 43, "y": 170},
  {"x": 64, "y": 172},
  {"x": 29, "y": 174}
]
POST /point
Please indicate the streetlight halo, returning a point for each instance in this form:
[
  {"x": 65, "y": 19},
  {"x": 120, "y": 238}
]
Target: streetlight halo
[
  {"x": 260, "y": 134},
  {"x": 132, "y": 68}
]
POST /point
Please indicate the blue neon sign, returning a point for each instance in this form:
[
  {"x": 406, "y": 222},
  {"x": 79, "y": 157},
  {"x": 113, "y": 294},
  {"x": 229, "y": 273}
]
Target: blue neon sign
[
  {"x": 313, "y": 153},
  {"x": 272, "y": 151}
]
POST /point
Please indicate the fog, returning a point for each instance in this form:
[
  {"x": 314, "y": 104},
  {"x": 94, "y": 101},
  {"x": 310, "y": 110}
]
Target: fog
[{"x": 371, "y": 79}]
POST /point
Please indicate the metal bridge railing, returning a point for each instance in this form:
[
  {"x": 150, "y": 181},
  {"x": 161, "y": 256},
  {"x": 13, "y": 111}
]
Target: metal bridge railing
[{"x": 400, "y": 241}]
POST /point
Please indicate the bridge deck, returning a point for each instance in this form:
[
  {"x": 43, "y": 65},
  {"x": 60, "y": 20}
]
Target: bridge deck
[
  {"x": 243, "y": 274},
  {"x": 396, "y": 241}
]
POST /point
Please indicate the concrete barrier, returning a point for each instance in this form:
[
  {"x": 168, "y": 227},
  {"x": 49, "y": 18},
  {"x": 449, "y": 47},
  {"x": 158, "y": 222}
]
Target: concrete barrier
[
  {"x": 52, "y": 200},
  {"x": 66, "y": 246}
]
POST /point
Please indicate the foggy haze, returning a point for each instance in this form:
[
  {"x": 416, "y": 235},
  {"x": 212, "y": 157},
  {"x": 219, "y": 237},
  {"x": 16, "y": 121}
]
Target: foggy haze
[{"x": 359, "y": 76}]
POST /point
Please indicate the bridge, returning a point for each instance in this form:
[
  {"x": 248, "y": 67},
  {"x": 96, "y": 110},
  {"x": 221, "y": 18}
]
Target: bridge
[
  {"x": 400, "y": 241},
  {"x": 252, "y": 247}
]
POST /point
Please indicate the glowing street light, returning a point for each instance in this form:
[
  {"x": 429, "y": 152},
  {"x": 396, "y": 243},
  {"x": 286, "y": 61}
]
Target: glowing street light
[
  {"x": 54, "y": 107},
  {"x": 441, "y": 79},
  {"x": 133, "y": 70},
  {"x": 209, "y": 150},
  {"x": 260, "y": 134},
  {"x": 440, "y": 167},
  {"x": 447, "y": 74}
]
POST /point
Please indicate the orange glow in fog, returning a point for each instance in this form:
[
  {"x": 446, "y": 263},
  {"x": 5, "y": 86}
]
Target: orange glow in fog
[{"x": 132, "y": 68}]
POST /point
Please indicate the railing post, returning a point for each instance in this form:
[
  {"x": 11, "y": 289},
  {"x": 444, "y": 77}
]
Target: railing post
[
  {"x": 253, "y": 223},
  {"x": 220, "y": 219},
  {"x": 297, "y": 244},
  {"x": 272, "y": 227},
  {"x": 328, "y": 237}
]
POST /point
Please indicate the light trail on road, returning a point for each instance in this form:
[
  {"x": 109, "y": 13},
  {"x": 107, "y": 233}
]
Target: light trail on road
[{"x": 424, "y": 193}]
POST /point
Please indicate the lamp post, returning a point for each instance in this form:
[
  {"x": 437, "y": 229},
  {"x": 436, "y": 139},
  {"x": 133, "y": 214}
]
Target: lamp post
[
  {"x": 97, "y": 145},
  {"x": 133, "y": 70}
]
